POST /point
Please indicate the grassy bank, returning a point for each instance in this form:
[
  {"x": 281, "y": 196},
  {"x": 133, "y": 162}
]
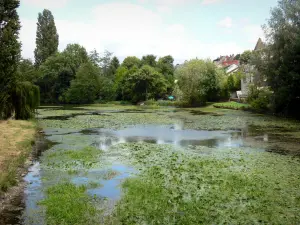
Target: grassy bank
[
  {"x": 232, "y": 105},
  {"x": 16, "y": 139}
]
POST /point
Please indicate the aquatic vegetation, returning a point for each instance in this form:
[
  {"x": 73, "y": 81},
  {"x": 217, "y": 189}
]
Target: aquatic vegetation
[
  {"x": 45, "y": 112},
  {"x": 234, "y": 120},
  {"x": 175, "y": 187},
  {"x": 68, "y": 204},
  {"x": 94, "y": 184},
  {"x": 113, "y": 121},
  {"x": 192, "y": 182},
  {"x": 85, "y": 158},
  {"x": 232, "y": 105},
  {"x": 109, "y": 174}
]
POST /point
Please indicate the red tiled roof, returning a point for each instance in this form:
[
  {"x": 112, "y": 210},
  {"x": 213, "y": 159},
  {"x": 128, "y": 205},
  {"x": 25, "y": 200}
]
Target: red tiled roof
[{"x": 231, "y": 62}]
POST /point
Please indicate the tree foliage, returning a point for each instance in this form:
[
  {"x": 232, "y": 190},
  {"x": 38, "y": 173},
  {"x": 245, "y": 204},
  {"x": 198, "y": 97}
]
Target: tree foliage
[
  {"x": 85, "y": 87},
  {"x": 234, "y": 81},
  {"x": 58, "y": 71},
  {"x": 18, "y": 98},
  {"x": 75, "y": 55},
  {"x": 199, "y": 81},
  {"x": 113, "y": 66},
  {"x": 166, "y": 67},
  {"x": 246, "y": 57},
  {"x": 27, "y": 71},
  {"x": 149, "y": 60},
  {"x": 281, "y": 59},
  {"x": 26, "y": 98},
  {"x": 105, "y": 63},
  {"x": 144, "y": 84},
  {"x": 46, "y": 37},
  {"x": 131, "y": 61},
  {"x": 94, "y": 57}
]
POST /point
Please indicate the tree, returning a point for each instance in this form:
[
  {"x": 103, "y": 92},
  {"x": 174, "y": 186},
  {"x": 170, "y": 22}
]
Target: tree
[
  {"x": 237, "y": 57},
  {"x": 56, "y": 75},
  {"x": 149, "y": 60},
  {"x": 145, "y": 83},
  {"x": 123, "y": 89},
  {"x": 131, "y": 61},
  {"x": 16, "y": 97},
  {"x": 94, "y": 57},
  {"x": 58, "y": 71},
  {"x": 245, "y": 57},
  {"x": 46, "y": 37},
  {"x": 76, "y": 55},
  {"x": 105, "y": 62},
  {"x": 199, "y": 81},
  {"x": 166, "y": 67},
  {"x": 281, "y": 58},
  {"x": 27, "y": 71},
  {"x": 85, "y": 87},
  {"x": 234, "y": 81},
  {"x": 113, "y": 66}
]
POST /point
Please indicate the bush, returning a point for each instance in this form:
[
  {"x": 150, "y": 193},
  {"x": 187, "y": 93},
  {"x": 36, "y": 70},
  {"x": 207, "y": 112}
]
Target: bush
[
  {"x": 259, "y": 98},
  {"x": 199, "y": 81},
  {"x": 85, "y": 87}
]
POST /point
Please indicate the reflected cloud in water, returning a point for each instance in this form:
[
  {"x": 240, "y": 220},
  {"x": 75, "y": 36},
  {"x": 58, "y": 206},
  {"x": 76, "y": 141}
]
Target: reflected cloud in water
[{"x": 173, "y": 134}]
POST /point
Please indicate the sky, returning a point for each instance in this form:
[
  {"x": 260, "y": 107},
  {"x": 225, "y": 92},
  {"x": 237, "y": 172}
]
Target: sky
[{"x": 185, "y": 29}]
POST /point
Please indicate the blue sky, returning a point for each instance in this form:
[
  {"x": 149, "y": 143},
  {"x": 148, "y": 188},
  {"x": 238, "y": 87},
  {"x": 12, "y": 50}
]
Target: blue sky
[{"x": 183, "y": 28}]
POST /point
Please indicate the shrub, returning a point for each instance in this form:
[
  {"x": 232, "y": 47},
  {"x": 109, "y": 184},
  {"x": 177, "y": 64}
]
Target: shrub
[
  {"x": 259, "y": 98},
  {"x": 199, "y": 81}
]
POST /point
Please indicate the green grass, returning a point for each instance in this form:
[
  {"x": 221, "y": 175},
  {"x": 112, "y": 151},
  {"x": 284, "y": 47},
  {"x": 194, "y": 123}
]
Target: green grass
[
  {"x": 232, "y": 105},
  {"x": 68, "y": 204},
  {"x": 231, "y": 187}
]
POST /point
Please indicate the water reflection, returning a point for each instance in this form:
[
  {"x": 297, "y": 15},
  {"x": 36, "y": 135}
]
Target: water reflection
[{"x": 172, "y": 134}]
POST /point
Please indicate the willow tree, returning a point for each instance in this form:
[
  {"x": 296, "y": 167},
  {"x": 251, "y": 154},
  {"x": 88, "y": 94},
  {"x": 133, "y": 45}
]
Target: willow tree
[
  {"x": 199, "y": 81},
  {"x": 19, "y": 98}
]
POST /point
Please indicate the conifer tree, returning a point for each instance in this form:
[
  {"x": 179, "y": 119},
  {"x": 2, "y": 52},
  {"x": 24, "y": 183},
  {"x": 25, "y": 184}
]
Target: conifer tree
[
  {"x": 9, "y": 53},
  {"x": 17, "y": 98}
]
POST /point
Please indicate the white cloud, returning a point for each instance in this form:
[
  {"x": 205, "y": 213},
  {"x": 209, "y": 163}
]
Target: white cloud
[
  {"x": 253, "y": 32},
  {"x": 128, "y": 29},
  {"x": 178, "y": 2},
  {"x": 164, "y": 9},
  {"x": 226, "y": 22},
  {"x": 167, "y": 2},
  {"x": 47, "y": 4},
  {"x": 207, "y": 2},
  {"x": 27, "y": 36},
  {"x": 166, "y": 6}
]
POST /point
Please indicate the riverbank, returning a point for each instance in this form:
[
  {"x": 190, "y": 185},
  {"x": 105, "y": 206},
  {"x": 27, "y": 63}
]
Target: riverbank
[{"x": 16, "y": 138}]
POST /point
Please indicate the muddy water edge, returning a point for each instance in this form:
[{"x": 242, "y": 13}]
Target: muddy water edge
[
  {"x": 108, "y": 157},
  {"x": 14, "y": 200}
]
